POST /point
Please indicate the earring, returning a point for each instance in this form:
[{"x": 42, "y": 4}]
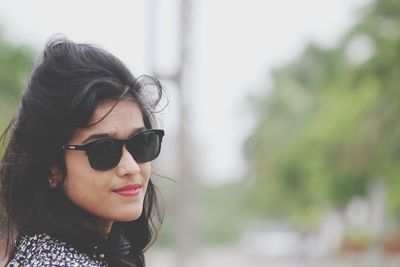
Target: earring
[{"x": 52, "y": 183}]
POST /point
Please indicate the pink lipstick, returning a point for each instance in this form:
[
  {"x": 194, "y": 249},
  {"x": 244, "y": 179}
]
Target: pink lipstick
[{"x": 129, "y": 190}]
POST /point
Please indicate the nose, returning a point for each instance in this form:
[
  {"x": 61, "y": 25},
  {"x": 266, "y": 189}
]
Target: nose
[{"x": 127, "y": 166}]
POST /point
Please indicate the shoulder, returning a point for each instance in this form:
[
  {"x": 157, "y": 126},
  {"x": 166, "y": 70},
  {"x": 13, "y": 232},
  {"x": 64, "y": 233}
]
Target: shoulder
[{"x": 43, "y": 250}]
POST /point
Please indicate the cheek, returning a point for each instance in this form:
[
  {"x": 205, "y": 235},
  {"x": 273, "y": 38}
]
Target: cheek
[
  {"x": 82, "y": 184},
  {"x": 145, "y": 171},
  {"x": 77, "y": 162}
]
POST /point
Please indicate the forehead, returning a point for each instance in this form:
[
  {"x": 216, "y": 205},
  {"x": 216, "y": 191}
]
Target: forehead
[{"x": 121, "y": 122}]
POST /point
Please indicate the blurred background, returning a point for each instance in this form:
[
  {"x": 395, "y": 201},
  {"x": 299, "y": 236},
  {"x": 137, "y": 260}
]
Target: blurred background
[{"x": 282, "y": 142}]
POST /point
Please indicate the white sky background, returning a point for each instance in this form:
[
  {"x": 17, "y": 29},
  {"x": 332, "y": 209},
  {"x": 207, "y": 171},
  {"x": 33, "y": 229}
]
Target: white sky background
[{"x": 235, "y": 43}]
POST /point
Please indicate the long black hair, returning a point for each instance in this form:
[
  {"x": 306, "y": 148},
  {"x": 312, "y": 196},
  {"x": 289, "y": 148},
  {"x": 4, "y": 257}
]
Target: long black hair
[{"x": 64, "y": 89}]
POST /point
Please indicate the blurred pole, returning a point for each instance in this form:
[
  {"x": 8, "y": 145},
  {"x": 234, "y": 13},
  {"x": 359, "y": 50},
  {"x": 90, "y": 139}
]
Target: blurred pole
[
  {"x": 184, "y": 206},
  {"x": 185, "y": 202},
  {"x": 151, "y": 36}
]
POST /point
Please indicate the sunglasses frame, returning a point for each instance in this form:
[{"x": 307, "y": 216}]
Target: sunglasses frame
[{"x": 86, "y": 147}]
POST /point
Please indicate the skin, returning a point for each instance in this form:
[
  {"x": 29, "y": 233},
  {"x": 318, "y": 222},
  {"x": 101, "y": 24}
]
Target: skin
[{"x": 93, "y": 190}]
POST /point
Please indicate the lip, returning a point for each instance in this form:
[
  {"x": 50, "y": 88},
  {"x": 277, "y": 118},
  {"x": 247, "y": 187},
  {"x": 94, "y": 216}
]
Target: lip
[{"x": 129, "y": 190}]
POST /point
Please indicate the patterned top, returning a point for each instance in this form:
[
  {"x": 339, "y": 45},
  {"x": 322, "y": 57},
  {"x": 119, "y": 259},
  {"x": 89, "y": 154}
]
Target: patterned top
[{"x": 42, "y": 250}]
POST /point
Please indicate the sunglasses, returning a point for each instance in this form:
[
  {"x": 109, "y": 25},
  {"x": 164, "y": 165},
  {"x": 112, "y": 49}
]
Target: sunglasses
[{"x": 105, "y": 154}]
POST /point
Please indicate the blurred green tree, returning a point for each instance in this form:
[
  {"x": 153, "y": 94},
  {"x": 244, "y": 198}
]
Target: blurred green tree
[
  {"x": 329, "y": 126},
  {"x": 15, "y": 64}
]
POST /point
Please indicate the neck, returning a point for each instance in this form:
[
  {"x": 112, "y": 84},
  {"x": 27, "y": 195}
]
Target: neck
[{"x": 105, "y": 227}]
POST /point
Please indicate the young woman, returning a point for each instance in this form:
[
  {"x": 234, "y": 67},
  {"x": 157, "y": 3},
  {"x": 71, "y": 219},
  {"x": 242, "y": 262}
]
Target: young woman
[{"x": 75, "y": 175}]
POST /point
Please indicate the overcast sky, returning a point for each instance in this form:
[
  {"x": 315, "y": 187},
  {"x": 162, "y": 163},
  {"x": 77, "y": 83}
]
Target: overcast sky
[{"x": 235, "y": 43}]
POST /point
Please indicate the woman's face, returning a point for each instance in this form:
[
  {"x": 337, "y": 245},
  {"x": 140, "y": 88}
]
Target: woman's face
[{"x": 97, "y": 191}]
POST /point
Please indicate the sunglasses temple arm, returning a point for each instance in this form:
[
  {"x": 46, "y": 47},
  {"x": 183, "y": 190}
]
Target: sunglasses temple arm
[{"x": 73, "y": 147}]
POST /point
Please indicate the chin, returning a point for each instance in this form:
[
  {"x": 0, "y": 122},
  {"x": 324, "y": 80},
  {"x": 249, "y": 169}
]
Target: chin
[{"x": 132, "y": 216}]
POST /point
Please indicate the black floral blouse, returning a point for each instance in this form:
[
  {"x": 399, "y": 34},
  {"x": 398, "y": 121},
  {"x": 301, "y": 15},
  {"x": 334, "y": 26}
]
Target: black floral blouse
[{"x": 42, "y": 250}]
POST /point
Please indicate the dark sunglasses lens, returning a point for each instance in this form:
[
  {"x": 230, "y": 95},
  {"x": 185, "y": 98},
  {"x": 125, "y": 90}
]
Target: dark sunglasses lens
[
  {"x": 104, "y": 154},
  {"x": 145, "y": 146}
]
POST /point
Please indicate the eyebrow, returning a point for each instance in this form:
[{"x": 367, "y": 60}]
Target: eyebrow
[{"x": 110, "y": 135}]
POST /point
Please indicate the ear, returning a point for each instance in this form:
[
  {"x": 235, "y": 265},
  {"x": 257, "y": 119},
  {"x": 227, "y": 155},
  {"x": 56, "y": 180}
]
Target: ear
[{"x": 56, "y": 176}]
